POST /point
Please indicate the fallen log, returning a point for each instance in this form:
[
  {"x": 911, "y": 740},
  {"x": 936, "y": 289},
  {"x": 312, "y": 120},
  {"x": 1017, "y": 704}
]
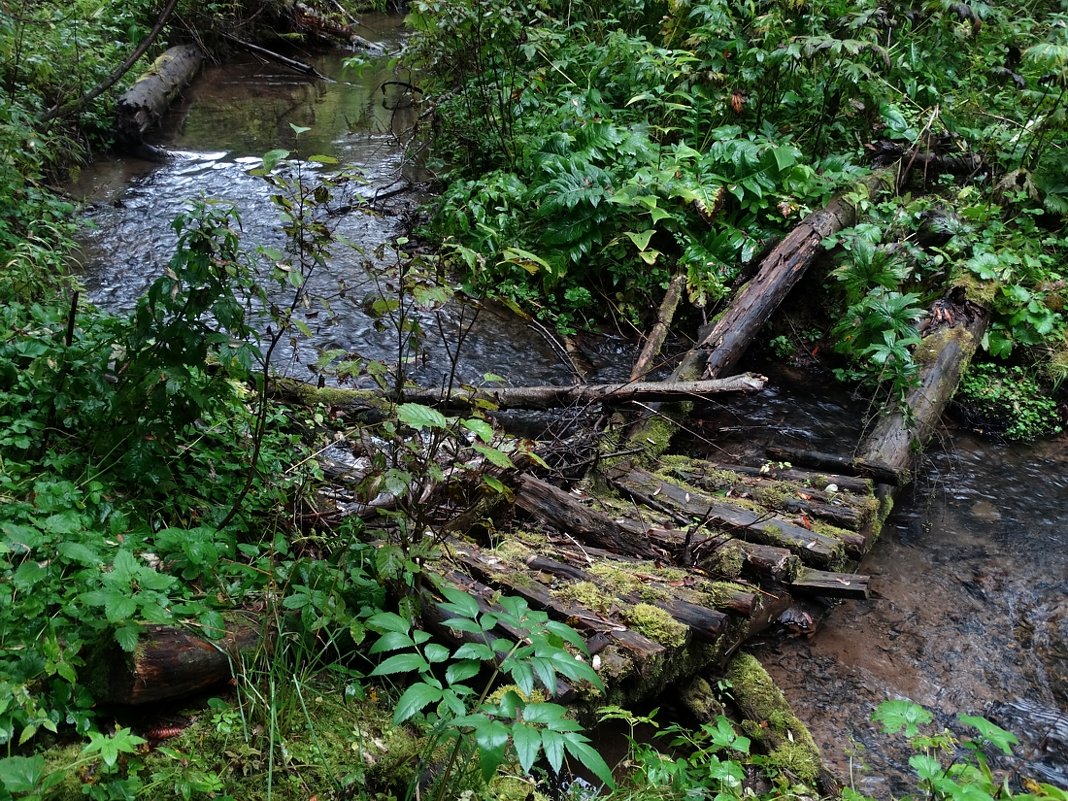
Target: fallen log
[
  {"x": 144, "y": 104},
  {"x": 537, "y": 397},
  {"x": 308, "y": 20},
  {"x": 170, "y": 662},
  {"x": 655, "y": 341},
  {"x": 831, "y": 585},
  {"x": 722, "y": 343},
  {"x": 889, "y": 452}
]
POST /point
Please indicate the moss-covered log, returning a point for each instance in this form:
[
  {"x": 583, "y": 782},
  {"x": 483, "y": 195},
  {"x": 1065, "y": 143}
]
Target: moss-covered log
[
  {"x": 147, "y": 100},
  {"x": 889, "y": 452},
  {"x": 770, "y": 721}
]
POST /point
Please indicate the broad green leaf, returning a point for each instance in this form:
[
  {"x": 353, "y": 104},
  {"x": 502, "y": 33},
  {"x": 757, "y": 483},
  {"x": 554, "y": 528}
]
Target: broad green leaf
[
  {"x": 19, "y": 774},
  {"x": 461, "y": 671},
  {"x": 553, "y": 744},
  {"x": 926, "y": 766},
  {"x": 991, "y": 733},
  {"x": 419, "y": 416},
  {"x": 389, "y": 621},
  {"x": 436, "y": 653},
  {"x": 458, "y": 602},
  {"x": 480, "y": 428},
  {"x": 640, "y": 240},
  {"x": 126, "y": 637},
  {"x": 321, "y": 159},
  {"x": 415, "y": 699},
  {"x": 527, "y": 741},
  {"x": 495, "y": 484},
  {"x": 494, "y": 456},
  {"x": 901, "y": 714},
  {"x": 391, "y": 641},
  {"x": 401, "y": 663},
  {"x": 474, "y": 650},
  {"x": 590, "y": 759}
]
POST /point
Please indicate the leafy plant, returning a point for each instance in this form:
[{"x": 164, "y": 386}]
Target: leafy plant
[
  {"x": 513, "y": 721},
  {"x": 1008, "y": 402}
]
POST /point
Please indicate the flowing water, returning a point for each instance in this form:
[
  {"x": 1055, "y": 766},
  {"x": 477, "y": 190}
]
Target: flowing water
[
  {"x": 230, "y": 117},
  {"x": 970, "y": 613},
  {"x": 970, "y": 607}
]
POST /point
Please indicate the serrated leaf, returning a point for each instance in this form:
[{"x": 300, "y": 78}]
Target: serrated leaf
[
  {"x": 391, "y": 641},
  {"x": 401, "y": 663},
  {"x": 389, "y": 621},
  {"x": 414, "y": 700},
  {"x": 461, "y": 671},
  {"x": 589, "y": 758},
  {"x": 419, "y": 416},
  {"x": 19, "y": 774},
  {"x": 435, "y": 653},
  {"x": 553, "y": 744},
  {"x": 901, "y": 714},
  {"x": 527, "y": 741},
  {"x": 458, "y": 602},
  {"x": 474, "y": 650},
  {"x": 126, "y": 637},
  {"x": 494, "y": 456}
]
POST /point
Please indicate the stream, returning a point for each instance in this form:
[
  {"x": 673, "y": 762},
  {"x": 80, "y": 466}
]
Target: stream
[
  {"x": 971, "y": 574},
  {"x": 970, "y": 607}
]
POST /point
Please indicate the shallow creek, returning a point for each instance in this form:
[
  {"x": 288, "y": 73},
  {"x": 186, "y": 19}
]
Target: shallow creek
[
  {"x": 970, "y": 612},
  {"x": 971, "y": 574}
]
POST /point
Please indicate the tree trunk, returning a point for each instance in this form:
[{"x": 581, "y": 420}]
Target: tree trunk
[
  {"x": 170, "y": 663},
  {"x": 144, "y": 104},
  {"x": 889, "y": 452}
]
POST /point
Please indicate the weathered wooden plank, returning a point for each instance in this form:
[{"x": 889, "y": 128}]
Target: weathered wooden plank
[{"x": 832, "y": 585}]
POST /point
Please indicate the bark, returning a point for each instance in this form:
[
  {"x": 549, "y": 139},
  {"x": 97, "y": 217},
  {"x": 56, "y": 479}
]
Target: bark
[
  {"x": 559, "y": 509},
  {"x": 659, "y": 333},
  {"x": 308, "y": 20},
  {"x": 143, "y": 104},
  {"x": 889, "y": 452},
  {"x": 538, "y": 397},
  {"x": 171, "y": 663},
  {"x": 832, "y": 585},
  {"x": 730, "y": 336},
  {"x": 722, "y": 344}
]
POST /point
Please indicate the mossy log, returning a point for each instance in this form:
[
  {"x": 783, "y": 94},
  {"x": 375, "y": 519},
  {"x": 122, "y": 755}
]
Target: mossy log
[
  {"x": 169, "y": 662},
  {"x": 309, "y": 21},
  {"x": 770, "y": 721},
  {"x": 891, "y": 449},
  {"x": 831, "y": 585},
  {"x": 537, "y": 397},
  {"x": 752, "y": 524},
  {"x": 147, "y": 100}
]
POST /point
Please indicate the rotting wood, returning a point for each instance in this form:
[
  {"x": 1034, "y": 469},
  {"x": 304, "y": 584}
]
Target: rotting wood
[
  {"x": 729, "y": 337},
  {"x": 308, "y": 20},
  {"x": 742, "y": 523},
  {"x": 722, "y": 343},
  {"x": 143, "y": 105},
  {"x": 820, "y": 460},
  {"x": 890, "y": 451},
  {"x": 655, "y": 341},
  {"x": 558, "y": 508},
  {"x": 170, "y": 662},
  {"x": 832, "y": 585},
  {"x": 808, "y": 478}
]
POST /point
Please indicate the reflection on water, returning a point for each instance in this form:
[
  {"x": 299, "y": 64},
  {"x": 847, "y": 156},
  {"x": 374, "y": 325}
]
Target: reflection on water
[
  {"x": 227, "y": 119},
  {"x": 970, "y": 614}
]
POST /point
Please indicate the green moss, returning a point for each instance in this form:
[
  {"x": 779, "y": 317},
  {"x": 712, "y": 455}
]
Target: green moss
[
  {"x": 701, "y": 700},
  {"x": 719, "y": 593},
  {"x": 985, "y": 293},
  {"x": 615, "y": 578},
  {"x": 789, "y": 743},
  {"x": 727, "y": 560},
  {"x": 775, "y": 494},
  {"x": 513, "y": 551},
  {"x": 657, "y": 625},
  {"x": 513, "y": 788},
  {"x": 587, "y": 594}
]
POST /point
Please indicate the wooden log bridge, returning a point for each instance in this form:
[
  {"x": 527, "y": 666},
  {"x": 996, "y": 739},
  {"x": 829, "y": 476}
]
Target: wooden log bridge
[{"x": 666, "y": 564}]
